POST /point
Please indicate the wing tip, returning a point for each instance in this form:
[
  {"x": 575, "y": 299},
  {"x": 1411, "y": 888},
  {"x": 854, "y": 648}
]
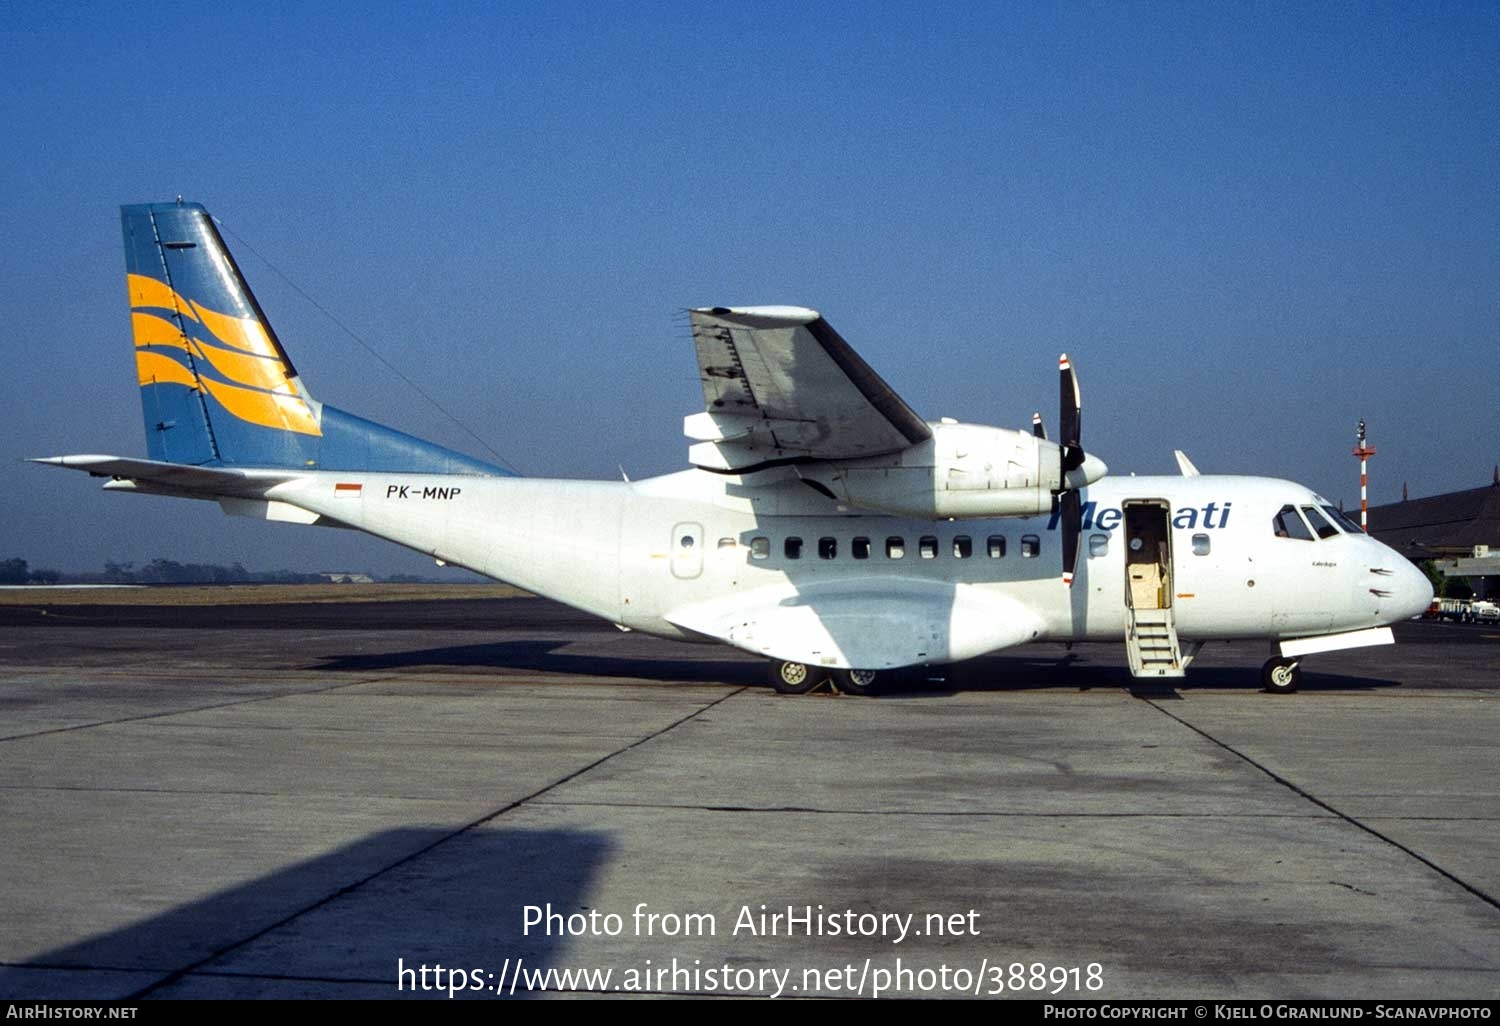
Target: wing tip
[
  {"x": 74, "y": 460},
  {"x": 762, "y": 314}
]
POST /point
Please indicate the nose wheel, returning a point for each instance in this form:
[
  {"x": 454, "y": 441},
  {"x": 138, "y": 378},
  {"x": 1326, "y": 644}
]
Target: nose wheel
[{"x": 1281, "y": 676}]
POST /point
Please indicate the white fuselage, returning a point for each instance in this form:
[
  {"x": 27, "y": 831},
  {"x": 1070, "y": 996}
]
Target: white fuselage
[{"x": 639, "y": 553}]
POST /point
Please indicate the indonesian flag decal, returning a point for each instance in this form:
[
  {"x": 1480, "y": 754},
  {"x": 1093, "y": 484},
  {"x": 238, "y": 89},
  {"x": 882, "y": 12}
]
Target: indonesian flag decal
[{"x": 345, "y": 490}]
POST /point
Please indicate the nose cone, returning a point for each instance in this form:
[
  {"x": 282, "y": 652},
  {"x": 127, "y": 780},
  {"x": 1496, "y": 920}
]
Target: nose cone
[
  {"x": 1413, "y": 592},
  {"x": 1090, "y": 470}
]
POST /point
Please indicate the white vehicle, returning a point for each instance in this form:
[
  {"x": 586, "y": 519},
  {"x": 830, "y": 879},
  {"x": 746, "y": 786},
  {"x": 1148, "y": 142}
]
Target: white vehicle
[
  {"x": 823, "y": 525},
  {"x": 1482, "y": 611}
]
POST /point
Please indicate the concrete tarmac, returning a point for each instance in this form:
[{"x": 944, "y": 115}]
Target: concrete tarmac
[{"x": 306, "y": 801}]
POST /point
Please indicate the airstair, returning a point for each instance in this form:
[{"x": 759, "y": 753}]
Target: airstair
[{"x": 1152, "y": 644}]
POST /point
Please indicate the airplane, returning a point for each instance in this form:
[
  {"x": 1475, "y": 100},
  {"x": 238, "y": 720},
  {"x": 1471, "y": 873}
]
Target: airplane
[{"x": 822, "y": 524}]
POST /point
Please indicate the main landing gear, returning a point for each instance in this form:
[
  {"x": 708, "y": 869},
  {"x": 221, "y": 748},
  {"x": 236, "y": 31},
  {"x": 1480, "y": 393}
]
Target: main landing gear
[
  {"x": 791, "y": 678},
  {"x": 795, "y": 678},
  {"x": 856, "y": 682},
  {"x": 1281, "y": 676}
]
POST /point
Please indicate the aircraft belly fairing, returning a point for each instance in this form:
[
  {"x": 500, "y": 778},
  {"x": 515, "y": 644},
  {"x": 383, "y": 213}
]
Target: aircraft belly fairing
[{"x": 868, "y": 623}]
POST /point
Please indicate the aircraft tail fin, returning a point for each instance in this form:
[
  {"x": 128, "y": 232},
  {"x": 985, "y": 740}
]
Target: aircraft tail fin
[{"x": 217, "y": 387}]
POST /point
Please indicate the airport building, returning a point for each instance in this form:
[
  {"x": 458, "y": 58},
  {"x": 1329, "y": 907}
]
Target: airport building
[{"x": 1459, "y": 531}]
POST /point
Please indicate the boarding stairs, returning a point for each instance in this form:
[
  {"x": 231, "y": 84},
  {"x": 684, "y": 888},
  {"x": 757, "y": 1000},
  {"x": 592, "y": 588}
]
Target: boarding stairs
[{"x": 1152, "y": 644}]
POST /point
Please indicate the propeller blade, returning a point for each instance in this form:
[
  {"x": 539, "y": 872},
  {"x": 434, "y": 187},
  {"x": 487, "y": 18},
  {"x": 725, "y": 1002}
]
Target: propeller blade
[
  {"x": 1068, "y": 402},
  {"x": 1037, "y": 427},
  {"x": 1066, "y": 500},
  {"x": 1072, "y": 529},
  {"x": 1070, "y": 420}
]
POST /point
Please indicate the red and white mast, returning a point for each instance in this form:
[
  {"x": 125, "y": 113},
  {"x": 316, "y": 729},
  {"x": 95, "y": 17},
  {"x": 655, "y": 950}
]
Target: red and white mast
[{"x": 1364, "y": 451}]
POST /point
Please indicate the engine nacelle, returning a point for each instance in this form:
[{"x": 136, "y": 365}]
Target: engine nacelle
[{"x": 963, "y": 470}]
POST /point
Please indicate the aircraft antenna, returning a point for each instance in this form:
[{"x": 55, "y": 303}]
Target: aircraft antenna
[
  {"x": 369, "y": 348},
  {"x": 1364, "y": 451}
]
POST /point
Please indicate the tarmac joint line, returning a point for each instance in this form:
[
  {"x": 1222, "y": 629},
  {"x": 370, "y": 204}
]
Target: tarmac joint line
[
  {"x": 1483, "y": 896},
  {"x": 166, "y": 713},
  {"x": 181, "y": 973}
]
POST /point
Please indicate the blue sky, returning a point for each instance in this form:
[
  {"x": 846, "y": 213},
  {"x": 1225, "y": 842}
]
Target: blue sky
[{"x": 1250, "y": 225}]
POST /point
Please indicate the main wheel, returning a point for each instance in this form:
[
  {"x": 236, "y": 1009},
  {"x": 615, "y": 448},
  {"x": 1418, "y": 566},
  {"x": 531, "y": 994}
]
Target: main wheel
[
  {"x": 795, "y": 678},
  {"x": 856, "y": 682},
  {"x": 1281, "y": 676}
]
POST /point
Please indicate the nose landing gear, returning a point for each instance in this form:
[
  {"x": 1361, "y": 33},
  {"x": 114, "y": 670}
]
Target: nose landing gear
[{"x": 1281, "y": 676}]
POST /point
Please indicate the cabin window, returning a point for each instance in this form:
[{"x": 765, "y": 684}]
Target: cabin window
[
  {"x": 996, "y": 545},
  {"x": 686, "y": 541},
  {"x": 828, "y": 548},
  {"x": 1287, "y": 524},
  {"x": 1098, "y": 545},
  {"x": 727, "y": 543},
  {"x": 895, "y": 548},
  {"x": 1323, "y": 528},
  {"x": 860, "y": 548},
  {"x": 963, "y": 547},
  {"x": 1031, "y": 546},
  {"x": 927, "y": 547},
  {"x": 1201, "y": 544},
  {"x": 792, "y": 548},
  {"x": 760, "y": 548}
]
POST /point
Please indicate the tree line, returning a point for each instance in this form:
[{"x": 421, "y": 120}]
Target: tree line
[{"x": 168, "y": 571}]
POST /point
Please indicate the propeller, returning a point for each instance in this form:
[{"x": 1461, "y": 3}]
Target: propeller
[
  {"x": 1069, "y": 416},
  {"x": 1072, "y": 528},
  {"x": 1077, "y": 468}
]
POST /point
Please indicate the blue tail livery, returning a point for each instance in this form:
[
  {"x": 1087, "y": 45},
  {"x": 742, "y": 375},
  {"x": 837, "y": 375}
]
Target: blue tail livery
[{"x": 217, "y": 388}]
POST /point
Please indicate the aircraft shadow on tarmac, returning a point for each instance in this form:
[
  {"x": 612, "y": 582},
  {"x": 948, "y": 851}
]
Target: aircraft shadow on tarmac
[
  {"x": 543, "y": 656},
  {"x": 455, "y": 897},
  {"x": 1067, "y": 671}
]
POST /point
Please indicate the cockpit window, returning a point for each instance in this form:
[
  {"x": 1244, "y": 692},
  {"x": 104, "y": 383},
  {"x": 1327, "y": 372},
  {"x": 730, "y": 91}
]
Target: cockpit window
[
  {"x": 1288, "y": 524},
  {"x": 1320, "y": 525},
  {"x": 1338, "y": 518}
]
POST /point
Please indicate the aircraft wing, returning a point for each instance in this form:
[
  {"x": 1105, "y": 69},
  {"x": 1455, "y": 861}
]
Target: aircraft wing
[
  {"x": 873, "y": 624},
  {"x": 779, "y": 383}
]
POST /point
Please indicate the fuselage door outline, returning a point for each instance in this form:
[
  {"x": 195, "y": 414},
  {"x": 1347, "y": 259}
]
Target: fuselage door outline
[{"x": 687, "y": 551}]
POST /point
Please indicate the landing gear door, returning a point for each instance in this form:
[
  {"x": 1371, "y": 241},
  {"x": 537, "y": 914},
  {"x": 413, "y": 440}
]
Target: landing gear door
[
  {"x": 687, "y": 551},
  {"x": 1148, "y": 554}
]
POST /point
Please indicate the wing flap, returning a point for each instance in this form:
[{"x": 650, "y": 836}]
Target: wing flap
[{"x": 792, "y": 388}]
